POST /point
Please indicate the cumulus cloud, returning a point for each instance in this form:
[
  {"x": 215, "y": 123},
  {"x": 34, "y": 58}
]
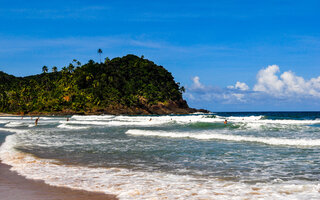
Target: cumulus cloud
[
  {"x": 271, "y": 85},
  {"x": 239, "y": 86},
  {"x": 268, "y": 81},
  {"x": 199, "y": 92},
  {"x": 285, "y": 85},
  {"x": 196, "y": 83}
]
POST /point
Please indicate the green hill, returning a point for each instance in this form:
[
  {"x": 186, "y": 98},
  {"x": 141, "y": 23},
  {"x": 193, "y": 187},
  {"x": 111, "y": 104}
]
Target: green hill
[{"x": 127, "y": 85}]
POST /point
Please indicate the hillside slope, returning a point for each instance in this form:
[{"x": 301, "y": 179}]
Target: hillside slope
[{"x": 127, "y": 85}]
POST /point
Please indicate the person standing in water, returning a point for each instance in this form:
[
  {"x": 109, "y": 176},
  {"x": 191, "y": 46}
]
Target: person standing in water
[
  {"x": 225, "y": 121},
  {"x": 36, "y": 122}
]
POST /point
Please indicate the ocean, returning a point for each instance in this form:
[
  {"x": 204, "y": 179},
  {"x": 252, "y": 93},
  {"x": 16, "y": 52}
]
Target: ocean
[{"x": 258, "y": 155}]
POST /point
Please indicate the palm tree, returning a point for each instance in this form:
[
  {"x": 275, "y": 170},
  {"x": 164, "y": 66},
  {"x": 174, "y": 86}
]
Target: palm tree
[
  {"x": 70, "y": 68},
  {"x": 100, "y": 52},
  {"x": 44, "y": 69},
  {"x": 107, "y": 60},
  {"x": 78, "y": 63},
  {"x": 54, "y": 69},
  {"x": 64, "y": 69}
]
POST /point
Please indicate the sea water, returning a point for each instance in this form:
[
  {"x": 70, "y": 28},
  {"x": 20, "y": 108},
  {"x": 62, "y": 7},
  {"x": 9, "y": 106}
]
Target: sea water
[{"x": 254, "y": 156}]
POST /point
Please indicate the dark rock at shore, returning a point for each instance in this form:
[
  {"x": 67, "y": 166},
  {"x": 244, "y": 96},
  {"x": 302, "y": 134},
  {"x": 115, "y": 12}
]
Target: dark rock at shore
[{"x": 171, "y": 107}]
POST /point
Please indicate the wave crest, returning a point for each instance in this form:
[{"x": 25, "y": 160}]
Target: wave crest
[{"x": 236, "y": 138}]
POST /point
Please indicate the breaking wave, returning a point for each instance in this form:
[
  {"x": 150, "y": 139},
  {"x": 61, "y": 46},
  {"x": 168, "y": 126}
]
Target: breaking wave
[
  {"x": 128, "y": 184},
  {"x": 228, "y": 137}
]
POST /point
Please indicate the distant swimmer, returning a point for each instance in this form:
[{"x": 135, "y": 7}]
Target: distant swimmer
[
  {"x": 67, "y": 119},
  {"x": 225, "y": 121},
  {"x": 36, "y": 122},
  {"x": 150, "y": 119}
]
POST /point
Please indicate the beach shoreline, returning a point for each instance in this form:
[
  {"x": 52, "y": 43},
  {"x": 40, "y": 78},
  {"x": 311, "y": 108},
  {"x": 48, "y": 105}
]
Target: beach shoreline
[
  {"x": 111, "y": 112},
  {"x": 7, "y": 114},
  {"x": 14, "y": 186}
]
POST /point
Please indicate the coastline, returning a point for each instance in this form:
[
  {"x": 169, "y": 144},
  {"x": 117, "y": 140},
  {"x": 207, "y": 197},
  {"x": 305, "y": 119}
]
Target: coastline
[
  {"x": 14, "y": 186},
  {"x": 132, "y": 112},
  {"x": 8, "y": 114},
  {"x": 87, "y": 145}
]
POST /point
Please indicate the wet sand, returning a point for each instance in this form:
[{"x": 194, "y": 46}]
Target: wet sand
[
  {"x": 15, "y": 187},
  {"x": 6, "y": 114}
]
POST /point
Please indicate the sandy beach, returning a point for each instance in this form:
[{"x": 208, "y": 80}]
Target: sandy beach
[
  {"x": 15, "y": 187},
  {"x": 6, "y": 114}
]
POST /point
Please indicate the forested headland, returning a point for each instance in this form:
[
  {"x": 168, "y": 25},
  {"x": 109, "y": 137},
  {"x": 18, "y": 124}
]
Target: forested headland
[{"x": 126, "y": 85}]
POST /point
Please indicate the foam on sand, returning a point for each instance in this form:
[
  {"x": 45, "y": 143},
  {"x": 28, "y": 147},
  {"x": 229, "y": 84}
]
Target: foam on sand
[
  {"x": 128, "y": 184},
  {"x": 131, "y": 184}
]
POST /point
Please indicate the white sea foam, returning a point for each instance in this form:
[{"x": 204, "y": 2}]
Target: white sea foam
[
  {"x": 128, "y": 184},
  {"x": 250, "y": 122},
  {"x": 259, "y": 119},
  {"x": 10, "y": 130},
  {"x": 92, "y": 117},
  {"x": 14, "y": 124},
  {"x": 115, "y": 123},
  {"x": 246, "y": 119},
  {"x": 4, "y": 121},
  {"x": 140, "y": 120},
  {"x": 207, "y": 135},
  {"x": 65, "y": 126}
]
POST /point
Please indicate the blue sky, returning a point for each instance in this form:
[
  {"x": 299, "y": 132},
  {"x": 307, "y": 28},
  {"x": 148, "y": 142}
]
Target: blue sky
[{"x": 230, "y": 55}]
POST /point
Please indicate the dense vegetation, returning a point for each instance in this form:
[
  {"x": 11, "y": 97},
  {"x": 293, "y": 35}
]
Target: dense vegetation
[{"x": 128, "y": 82}]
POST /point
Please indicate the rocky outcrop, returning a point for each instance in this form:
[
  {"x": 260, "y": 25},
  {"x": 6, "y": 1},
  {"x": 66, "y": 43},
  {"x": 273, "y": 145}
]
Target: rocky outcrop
[{"x": 161, "y": 108}]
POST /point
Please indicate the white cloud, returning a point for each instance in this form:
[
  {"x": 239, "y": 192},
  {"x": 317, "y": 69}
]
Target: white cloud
[
  {"x": 196, "y": 83},
  {"x": 285, "y": 85},
  {"x": 267, "y": 80},
  {"x": 239, "y": 86},
  {"x": 200, "y": 92},
  {"x": 271, "y": 87}
]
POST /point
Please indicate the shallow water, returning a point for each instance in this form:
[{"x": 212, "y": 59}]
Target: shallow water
[{"x": 256, "y": 155}]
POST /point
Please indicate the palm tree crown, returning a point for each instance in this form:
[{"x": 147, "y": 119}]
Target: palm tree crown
[
  {"x": 44, "y": 69},
  {"x": 54, "y": 69},
  {"x": 100, "y": 52}
]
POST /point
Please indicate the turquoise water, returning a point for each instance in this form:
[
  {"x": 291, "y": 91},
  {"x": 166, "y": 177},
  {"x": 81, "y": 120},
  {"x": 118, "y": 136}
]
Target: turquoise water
[{"x": 256, "y": 155}]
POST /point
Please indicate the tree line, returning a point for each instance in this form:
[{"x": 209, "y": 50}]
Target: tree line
[{"x": 127, "y": 81}]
